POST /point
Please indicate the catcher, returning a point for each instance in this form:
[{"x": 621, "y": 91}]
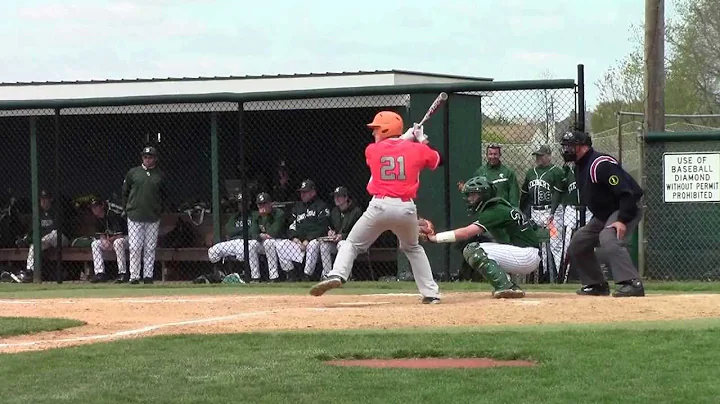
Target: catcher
[{"x": 517, "y": 250}]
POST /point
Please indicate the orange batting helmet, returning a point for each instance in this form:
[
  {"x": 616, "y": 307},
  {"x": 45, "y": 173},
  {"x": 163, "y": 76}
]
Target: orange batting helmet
[{"x": 389, "y": 124}]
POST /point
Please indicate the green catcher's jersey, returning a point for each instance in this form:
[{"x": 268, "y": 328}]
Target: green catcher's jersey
[{"x": 507, "y": 224}]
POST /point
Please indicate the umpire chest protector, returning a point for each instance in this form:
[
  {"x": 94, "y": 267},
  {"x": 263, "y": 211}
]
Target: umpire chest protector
[{"x": 605, "y": 187}]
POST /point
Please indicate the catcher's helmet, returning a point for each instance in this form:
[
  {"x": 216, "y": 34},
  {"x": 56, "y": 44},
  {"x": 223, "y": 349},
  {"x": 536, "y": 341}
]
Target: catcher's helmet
[
  {"x": 572, "y": 139},
  {"x": 388, "y": 123},
  {"x": 481, "y": 186}
]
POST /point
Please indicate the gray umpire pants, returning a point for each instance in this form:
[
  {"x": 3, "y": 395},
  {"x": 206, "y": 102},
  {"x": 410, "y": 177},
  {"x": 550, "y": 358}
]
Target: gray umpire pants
[{"x": 595, "y": 233}]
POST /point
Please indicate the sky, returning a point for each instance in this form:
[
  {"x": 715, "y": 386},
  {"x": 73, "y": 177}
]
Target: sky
[{"x": 504, "y": 40}]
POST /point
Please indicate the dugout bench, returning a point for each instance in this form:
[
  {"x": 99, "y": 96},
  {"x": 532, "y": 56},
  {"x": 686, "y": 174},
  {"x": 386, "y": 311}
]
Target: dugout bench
[{"x": 168, "y": 258}]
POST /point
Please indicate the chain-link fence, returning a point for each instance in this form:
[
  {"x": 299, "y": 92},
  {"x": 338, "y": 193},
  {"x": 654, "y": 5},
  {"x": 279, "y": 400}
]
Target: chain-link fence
[
  {"x": 682, "y": 192},
  {"x": 183, "y": 190},
  {"x": 521, "y": 133}
]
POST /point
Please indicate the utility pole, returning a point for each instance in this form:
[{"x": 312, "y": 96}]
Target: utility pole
[{"x": 655, "y": 65}]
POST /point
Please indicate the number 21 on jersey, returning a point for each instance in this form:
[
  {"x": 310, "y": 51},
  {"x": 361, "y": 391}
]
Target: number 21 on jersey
[{"x": 389, "y": 165}]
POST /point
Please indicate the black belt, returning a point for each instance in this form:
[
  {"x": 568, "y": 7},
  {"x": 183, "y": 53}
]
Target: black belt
[{"x": 541, "y": 207}]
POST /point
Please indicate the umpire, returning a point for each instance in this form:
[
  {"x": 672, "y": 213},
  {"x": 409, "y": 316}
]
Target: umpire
[{"x": 612, "y": 196}]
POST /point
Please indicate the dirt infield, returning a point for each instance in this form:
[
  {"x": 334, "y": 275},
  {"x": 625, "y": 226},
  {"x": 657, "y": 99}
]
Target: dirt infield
[{"x": 121, "y": 318}]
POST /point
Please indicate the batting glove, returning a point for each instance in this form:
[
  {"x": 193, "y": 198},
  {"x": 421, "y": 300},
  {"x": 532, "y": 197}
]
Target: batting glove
[
  {"x": 408, "y": 135},
  {"x": 419, "y": 133}
]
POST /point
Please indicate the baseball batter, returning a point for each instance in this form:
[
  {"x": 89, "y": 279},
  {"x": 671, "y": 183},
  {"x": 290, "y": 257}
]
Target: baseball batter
[
  {"x": 144, "y": 194},
  {"x": 540, "y": 195},
  {"x": 571, "y": 217},
  {"x": 516, "y": 251},
  {"x": 395, "y": 165}
]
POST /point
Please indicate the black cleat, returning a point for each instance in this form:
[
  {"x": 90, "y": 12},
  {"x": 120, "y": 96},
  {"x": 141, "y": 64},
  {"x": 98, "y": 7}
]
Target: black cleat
[
  {"x": 430, "y": 300},
  {"x": 601, "y": 289},
  {"x": 99, "y": 278},
  {"x": 634, "y": 288},
  {"x": 148, "y": 281},
  {"x": 122, "y": 278}
]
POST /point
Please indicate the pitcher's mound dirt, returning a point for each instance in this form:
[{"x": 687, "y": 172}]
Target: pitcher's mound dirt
[{"x": 431, "y": 363}]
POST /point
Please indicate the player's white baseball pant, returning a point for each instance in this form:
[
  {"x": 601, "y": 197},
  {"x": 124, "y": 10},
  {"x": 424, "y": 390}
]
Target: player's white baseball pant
[
  {"x": 270, "y": 248},
  {"x": 541, "y": 216},
  {"x": 47, "y": 241},
  {"x": 571, "y": 222},
  {"x": 287, "y": 253},
  {"x": 236, "y": 248},
  {"x": 142, "y": 238},
  {"x": 513, "y": 259},
  {"x": 325, "y": 250},
  {"x": 119, "y": 245},
  {"x": 400, "y": 217}
]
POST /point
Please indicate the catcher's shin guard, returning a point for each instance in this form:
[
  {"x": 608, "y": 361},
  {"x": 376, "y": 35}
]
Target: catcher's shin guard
[{"x": 479, "y": 261}]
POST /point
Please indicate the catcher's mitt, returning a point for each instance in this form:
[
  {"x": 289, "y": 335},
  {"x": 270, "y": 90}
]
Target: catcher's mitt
[{"x": 425, "y": 228}]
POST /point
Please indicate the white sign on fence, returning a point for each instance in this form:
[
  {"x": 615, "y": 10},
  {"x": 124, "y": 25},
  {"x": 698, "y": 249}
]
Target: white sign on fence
[{"x": 691, "y": 177}]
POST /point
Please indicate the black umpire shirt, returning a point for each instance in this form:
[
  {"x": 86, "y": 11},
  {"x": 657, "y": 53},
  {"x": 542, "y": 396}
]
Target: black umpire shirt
[{"x": 605, "y": 187}]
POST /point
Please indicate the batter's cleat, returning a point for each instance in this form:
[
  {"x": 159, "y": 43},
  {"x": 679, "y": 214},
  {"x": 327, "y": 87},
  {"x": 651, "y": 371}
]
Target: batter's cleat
[
  {"x": 633, "y": 288},
  {"x": 430, "y": 300},
  {"x": 134, "y": 281},
  {"x": 601, "y": 289},
  {"x": 331, "y": 282},
  {"x": 148, "y": 281},
  {"x": 513, "y": 292},
  {"x": 122, "y": 278}
]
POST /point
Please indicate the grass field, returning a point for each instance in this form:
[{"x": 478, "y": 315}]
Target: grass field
[
  {"x": 638, "y": 362},
  {"x": 10, "y": 326},
  {"x": 650, "y": 363}
]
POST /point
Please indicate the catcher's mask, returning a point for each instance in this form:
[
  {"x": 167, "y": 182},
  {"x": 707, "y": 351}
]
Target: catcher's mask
[
  {"x": 476, "y": 191},
  {"x": 570, "y": 141},
  {"x": 264, "y": 203}
]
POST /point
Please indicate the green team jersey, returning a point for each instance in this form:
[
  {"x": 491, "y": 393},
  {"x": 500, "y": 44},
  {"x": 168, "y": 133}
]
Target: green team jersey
[
  {"x": 504, "y": 180},
  {"x": 507, "y": 224},
  {"x": 144, "y": 194},
  {"x": 570, "y": 197},
  {"x": 309, "y": 220},
  {"x": 272, "y": 224},
  {"x": 343, "y": 221},
  {"x": 234, "y": 226},
  {"x": 542, "y": 186}
]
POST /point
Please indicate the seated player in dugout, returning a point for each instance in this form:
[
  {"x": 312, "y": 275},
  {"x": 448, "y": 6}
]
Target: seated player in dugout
[
  {"x": 310, "y": 222},
  {"x": 342, "y": 219},
  {"x": 234, "y": 246},
  {"x": 516, "y": 251},
  {"x": 268, "y": 230},
  {"x": 48, "y": 234},
  {"x": 109, "y": 234}
]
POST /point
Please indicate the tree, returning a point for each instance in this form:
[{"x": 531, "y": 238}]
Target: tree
[{"x": 692, "y": 68}]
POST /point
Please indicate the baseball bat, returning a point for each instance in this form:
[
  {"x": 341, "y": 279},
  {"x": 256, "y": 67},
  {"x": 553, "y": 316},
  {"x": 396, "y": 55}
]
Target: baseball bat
[{"x": 442, "y": 97}]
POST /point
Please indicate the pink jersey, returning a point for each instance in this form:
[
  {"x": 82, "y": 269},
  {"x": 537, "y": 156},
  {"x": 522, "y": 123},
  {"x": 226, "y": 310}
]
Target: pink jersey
[{"x": 395, "y": 166}]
